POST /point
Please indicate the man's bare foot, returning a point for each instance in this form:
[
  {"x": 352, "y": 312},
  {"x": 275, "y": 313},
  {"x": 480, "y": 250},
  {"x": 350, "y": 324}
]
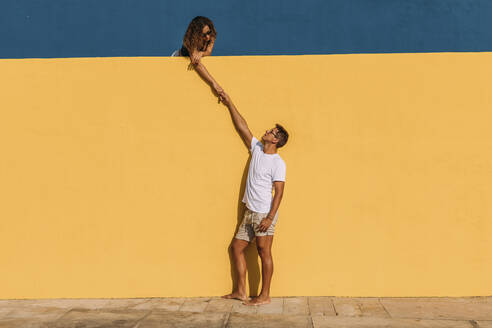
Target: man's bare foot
[
  {"x": 236, "y": 296},
  {"x": 257, "y": 301}
]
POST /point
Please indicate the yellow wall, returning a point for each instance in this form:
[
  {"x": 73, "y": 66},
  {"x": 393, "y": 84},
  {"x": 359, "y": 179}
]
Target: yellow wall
[{"x": 121, "y": 177}]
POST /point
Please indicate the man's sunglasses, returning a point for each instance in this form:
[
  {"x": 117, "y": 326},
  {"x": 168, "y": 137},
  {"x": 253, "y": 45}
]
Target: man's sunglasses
[{"x": 271, "y": 131}]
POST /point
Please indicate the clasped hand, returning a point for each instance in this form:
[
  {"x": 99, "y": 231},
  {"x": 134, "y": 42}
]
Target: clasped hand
[{"x": 224, "y": 97}]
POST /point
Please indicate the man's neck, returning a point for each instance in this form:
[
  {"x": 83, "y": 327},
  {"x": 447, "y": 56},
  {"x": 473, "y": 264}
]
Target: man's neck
[{"x": 269, "y": 148}]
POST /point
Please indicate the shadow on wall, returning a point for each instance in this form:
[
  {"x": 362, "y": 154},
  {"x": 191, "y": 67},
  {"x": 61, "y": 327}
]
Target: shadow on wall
[{"x": 250, "y": 252}]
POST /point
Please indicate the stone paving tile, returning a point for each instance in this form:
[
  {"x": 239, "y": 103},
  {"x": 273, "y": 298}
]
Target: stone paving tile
[
  {"x": 347, "y": 307},
  {"x": 4, "y": 303},
  {"x": 459, "y": 309},
  {"x": 373, "y": 308},
  {"x": 471, "y": 299},
  {"x": 360, "y": 307},
  {"x": 86, "y": 303},
  {"x": 24, "y": 323},
  {"x": 85, "y": 318},
  {"x": 125, "y": 302},
  {"x": 194, "y": 304},
  {"x": 239, "y": 307},
  {"x": 366, "y": 322},
  {"x": 169, "y": 304},
  {"x": 276, "y": 306},
  {"x": 237, "y": 320},
  {"x": 221, "y": 305},
  {"x": 296, "y": 306},
  {"x": 41, "y": 313},
  {"x": 479, "y": 299},
  {"x": 321, "y": 305},
  {"x": 4, "y": 311},
  {"x": 26, "y": 316},
  {"x": 166, "y": 319}
]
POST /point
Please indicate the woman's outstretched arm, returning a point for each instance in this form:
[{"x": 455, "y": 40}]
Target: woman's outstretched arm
[{"x": 205, "y": 75}]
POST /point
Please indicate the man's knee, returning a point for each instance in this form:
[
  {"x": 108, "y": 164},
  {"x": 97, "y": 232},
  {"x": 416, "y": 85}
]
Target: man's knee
[
  {"x": 263, "y": 250},
  {"x": 238, "y": 246}
]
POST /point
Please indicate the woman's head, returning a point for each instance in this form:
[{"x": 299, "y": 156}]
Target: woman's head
[{"x": 199, "y": 33}]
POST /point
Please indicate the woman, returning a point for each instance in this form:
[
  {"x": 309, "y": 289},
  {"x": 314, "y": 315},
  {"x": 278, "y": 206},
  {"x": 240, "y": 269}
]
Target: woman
[{"x": 199, "y": 41}]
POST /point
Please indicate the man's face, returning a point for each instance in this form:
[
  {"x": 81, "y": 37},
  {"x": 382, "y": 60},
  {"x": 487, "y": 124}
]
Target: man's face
[{"x": 271, "y": 135}]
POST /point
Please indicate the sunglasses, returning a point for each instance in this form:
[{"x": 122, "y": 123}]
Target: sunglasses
[{"x": 271, "y": 132}]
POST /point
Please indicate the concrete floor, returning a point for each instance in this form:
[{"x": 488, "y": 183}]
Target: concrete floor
[{"x": 291, "y": 312}]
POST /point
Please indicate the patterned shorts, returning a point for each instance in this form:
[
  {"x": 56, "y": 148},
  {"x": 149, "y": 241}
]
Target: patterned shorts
[{"x": 248, "y": 229}]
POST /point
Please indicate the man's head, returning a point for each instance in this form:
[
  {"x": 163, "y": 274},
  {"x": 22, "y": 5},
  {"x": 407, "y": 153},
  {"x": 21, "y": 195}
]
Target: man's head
[{"x": 278, "y": 136}]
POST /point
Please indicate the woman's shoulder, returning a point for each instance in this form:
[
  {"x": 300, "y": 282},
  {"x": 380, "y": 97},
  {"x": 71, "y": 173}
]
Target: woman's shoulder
[{"x": 181, "y": 52}]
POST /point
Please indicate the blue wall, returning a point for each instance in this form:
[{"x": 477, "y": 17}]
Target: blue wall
[{"x": 87, "y": 28}]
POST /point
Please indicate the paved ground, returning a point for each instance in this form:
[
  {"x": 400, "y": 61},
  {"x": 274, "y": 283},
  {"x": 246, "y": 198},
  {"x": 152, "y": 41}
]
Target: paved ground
[{"x": 290, "y": 312}]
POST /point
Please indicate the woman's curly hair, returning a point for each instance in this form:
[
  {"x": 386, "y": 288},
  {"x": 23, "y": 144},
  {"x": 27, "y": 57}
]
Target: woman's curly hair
[{"x": 193, "y": 39}]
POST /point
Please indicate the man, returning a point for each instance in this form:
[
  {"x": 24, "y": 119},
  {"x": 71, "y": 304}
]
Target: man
[{"x": 266, "y": 173}]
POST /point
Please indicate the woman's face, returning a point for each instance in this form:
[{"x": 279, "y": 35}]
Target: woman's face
[{"x": 206, "y": 33}]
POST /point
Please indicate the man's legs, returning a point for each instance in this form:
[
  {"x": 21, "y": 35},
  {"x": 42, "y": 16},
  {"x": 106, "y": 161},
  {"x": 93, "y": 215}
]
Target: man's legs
[
  {"x": 264, "y": 246},
  {"x": 237, "y": 247}
]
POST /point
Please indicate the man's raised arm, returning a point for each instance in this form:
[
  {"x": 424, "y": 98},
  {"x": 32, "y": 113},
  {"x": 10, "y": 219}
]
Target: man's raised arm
[{"x": 239, "y": 122}]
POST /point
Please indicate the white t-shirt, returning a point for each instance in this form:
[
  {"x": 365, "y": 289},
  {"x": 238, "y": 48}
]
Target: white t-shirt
[{"x": 264, "y": 169}]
